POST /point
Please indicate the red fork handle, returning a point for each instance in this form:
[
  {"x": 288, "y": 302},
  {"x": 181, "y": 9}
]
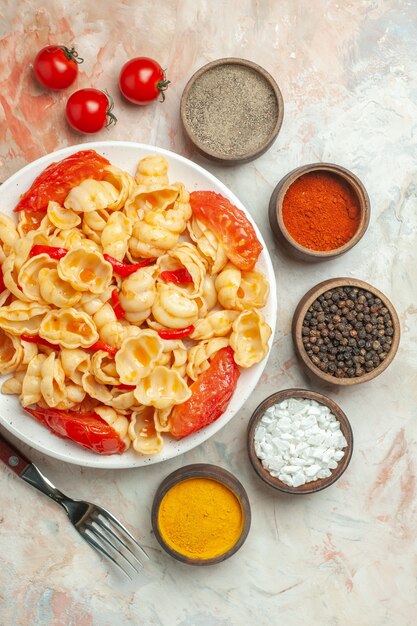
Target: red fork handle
[{"x": 11, "y": 457}]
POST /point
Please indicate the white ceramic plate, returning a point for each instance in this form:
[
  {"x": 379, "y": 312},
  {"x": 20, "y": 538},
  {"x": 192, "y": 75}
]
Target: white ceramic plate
[{"x": 126, "y": 155}]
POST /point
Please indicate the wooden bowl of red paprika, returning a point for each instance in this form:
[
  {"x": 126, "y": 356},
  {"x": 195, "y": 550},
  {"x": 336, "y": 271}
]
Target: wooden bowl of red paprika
[{"x": 319, "y": 211}]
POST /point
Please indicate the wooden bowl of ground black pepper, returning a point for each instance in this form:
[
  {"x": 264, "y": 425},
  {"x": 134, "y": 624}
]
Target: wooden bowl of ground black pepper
[
  {"x": 345, "y": 331},
  {"x": 331, "y": 217},
  {"x": 231, "y": 110}
]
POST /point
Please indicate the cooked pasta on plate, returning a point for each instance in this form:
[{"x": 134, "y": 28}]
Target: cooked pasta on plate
[{"x": 128, "y": 306}]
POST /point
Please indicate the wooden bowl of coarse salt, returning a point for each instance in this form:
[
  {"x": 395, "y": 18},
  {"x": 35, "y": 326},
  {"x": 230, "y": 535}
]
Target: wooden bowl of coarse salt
[
  {"x": 299, "y": 441},
  {"x": 231, "y": 110}
]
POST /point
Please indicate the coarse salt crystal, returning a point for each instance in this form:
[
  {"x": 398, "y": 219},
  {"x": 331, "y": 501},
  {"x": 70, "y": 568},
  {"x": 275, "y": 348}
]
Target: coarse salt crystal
[{"x": 299, "y": 441}]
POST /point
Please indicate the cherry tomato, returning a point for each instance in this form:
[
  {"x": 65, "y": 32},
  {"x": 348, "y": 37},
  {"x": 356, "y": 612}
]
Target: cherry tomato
[
  {"x": 87, "y": 429},
  {"x": 230, "y": 224},
  {"x": 211, "y": 394},
  {"x": 142, "y": 80},
  {"x": 89, "y": 110},
  {"x": 56, "y": 67},
  {"x": 56, "y": 181}
]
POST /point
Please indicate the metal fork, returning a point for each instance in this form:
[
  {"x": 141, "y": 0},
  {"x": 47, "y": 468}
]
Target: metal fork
[{"x": 96, "y": 525}]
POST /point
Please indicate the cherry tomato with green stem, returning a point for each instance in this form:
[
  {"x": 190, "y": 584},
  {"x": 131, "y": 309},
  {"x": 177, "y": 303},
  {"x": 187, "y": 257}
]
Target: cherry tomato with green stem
[
  {"x": 142, "y": 80},
  {"x": 90, "y": 110},
  {"x": 56, "y": 67}
]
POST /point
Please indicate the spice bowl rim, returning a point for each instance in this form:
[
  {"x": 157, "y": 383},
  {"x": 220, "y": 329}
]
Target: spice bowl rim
[
  {"x": 213, "y": 472},
  {"x": 313, "y": 486},
  {"x": 297, "y": 322},
  {"x": 218, "y": 156},
  {"x": 277, "y": 222}
]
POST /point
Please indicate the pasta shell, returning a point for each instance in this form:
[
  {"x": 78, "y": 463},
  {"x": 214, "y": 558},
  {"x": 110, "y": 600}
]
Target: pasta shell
[
  {"x": 14, "y": 384},
  {"x": 142, "y": 432},
  {"x": 69, "y": 328},
  {"x": 28, "y": 277},
  {"x": 122, "y": 181},
  {"x": 208, "y": 244},
  {"x": 115, "y": 236},
  {"x": 162, "y": 388},
  {"x": 62, "y": 218},
  {"x": 31, "y": 386},
  {"x": 104, "y": 369},
  {"x": 117, "y": 421},
  {"x": 185, "y": 256},
  {"x": 11, "y": 352},
  {"x": 199, "y": 356},
  {"x": 137, "y": 356},
  {"x": 56, "y": 291},
  {"x": 85, "y": 270},
  {"x": 137, "y": 295},
  {"x": 8, "y": 232},
  {"x": 91, "y": 195},
  {"x": 95, "y": 389},
  {"x": 75, "y": 363},
  {"x": 216, "y": 324},
  {"x": 152, "y": 170},
  {"x": 52, "y": 383},
  {"x": 174, "y": 309},
  {"x": 22, "y": 317},
  {"x": 249, "y": 338},
  {"x": 150, "y": 242},
  {"x": 227, "y": 284}
]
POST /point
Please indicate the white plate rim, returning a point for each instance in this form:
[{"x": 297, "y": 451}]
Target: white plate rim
[{"x": 189, "y": 443}]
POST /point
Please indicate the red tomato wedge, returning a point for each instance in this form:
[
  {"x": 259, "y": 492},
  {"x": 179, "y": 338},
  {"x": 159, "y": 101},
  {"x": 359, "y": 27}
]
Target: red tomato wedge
[
  {"x": 230, "y": 225},
  {"x": 55, "y": 182},
  {"x": 211, "y": 394},
  {"x": 86, "y": 429}
]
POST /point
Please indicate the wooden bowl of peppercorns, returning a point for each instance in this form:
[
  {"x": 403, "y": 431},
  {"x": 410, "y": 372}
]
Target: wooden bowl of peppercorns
[
  {"x": 319, "y": 211},
  {"x": 345, "y": 331}
]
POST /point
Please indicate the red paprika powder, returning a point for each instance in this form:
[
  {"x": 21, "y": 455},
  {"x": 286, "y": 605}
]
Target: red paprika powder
[{"x": 321, "y": 211}]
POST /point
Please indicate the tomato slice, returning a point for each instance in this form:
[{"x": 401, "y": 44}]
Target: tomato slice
[
  {"x": 55, "y": 182},
  {"x": 86, "y": 429},
  {"x": 230, "y": 225},
  {"x": 211, "y": 394}
]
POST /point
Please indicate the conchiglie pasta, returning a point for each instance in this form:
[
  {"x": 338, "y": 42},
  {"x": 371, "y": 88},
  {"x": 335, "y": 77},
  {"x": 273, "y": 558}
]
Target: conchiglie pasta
[
  {"x": 122, "y": 182},
  {"x": 249, "y": 338},
  {"x": 75, "y": 363},
  {"x": 31, "y": 386},
  {"x": 69, "y": 328},
  {"x": 95, "y": 389},
  {"x": 185, "y": 256},
  {"x": 152, "y": 170},
  {"x": 174, "y": 309},
  {"x": 11, "y": 352},
  {"x": 162, "y": 388},
  {"x": 91, "y": 195},
  {"x": 215, "y": 324},
  {"x": 199, "y": 356},
  {"x": 22, "y": 317},
  {"x": 62, "y": 218},
  {"x": 138, "y": 356},
  {"x": 142, "y": 432},
  {"x": 85, "y": 270},
  {"x": 8, "y": 233},
  {"x": 241, "y": 290},
  {"x": 94, "y": 223},
  {"x": 54, "y": 290},
  {"x": 137, "y": 295},
  {"x": 28, "y": 277},
  {"x": 103, "y": 368},
  {"x": 115, "y": 236},
  {"x": 52, "y": 385},
  {"x": 14, "y": 384},
  {"x": 149, "y": 241},
  {"x": 208, "y": 244},
  {"x": 117, "y": 421}
]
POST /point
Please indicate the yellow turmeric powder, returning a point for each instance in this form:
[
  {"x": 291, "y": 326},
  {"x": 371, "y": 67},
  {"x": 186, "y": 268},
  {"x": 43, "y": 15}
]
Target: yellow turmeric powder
[{"x": 200, "y": 518}]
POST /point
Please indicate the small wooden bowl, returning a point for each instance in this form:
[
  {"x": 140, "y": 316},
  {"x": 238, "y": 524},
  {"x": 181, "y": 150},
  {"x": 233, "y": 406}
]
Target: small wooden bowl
[
  {"x": 299, "y": 315},
  {"x": 219, "y": 157},
  {"x": 202, "y": 470},
  {"x": 316, "y": 485},
  {"x": 277, "y": 223}
]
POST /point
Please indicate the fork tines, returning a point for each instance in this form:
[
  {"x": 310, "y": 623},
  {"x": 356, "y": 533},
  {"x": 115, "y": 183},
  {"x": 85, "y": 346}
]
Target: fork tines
[{"x": 103, "y": 531}]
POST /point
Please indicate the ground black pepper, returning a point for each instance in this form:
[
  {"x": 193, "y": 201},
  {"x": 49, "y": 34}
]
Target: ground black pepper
[
  {"x": 347, "y": 332},
  {"x": 231, "y": 110}
]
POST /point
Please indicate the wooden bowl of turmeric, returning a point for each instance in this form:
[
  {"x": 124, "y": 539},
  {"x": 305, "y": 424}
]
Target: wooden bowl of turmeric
[
  {"x": 201, "y": 514},
  {"x": 319, "y": 211}
]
